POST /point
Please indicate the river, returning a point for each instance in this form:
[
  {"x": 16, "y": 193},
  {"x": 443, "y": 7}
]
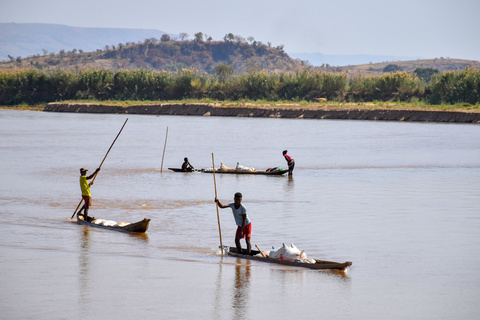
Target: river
[{"x": 400, "y": 200}]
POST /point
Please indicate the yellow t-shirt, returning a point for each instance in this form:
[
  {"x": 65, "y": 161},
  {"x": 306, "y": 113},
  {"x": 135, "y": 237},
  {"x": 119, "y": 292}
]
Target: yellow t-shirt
[{"x": 84, "y": 186}]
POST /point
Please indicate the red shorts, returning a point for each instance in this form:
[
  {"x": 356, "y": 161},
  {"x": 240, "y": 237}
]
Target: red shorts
[
  {"x": 247, "y": 232},
  {"x": 88, "y": 200}
]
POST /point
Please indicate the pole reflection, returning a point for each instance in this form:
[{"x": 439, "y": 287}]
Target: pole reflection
[
  {"x": 84, "y": 270},
  {"x": 218, "y": 292}
]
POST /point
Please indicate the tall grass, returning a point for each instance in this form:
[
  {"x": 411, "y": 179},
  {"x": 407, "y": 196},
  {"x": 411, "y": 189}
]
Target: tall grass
[
  {"x": 455, "y": 87},
  {"x": 31, "y": 86},
  {"x": 399, "y": 86}
]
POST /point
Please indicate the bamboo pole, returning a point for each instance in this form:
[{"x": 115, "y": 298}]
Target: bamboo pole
[
  {"x": 95, "y": 176},
  {"x": 216, "y": 204},
  {"x": 164, "y": 147}
]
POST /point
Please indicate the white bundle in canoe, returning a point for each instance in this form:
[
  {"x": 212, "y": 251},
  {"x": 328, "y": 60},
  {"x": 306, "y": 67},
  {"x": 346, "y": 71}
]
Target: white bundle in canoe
[
  {"x": 241, "y": 168},
  {"x": 291, "y": 253},
  {"x": 109, "y": 223}
]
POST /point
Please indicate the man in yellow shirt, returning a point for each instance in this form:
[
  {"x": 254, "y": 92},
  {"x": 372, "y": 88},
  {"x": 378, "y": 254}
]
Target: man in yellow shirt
[{"x": 86, "y": 195}]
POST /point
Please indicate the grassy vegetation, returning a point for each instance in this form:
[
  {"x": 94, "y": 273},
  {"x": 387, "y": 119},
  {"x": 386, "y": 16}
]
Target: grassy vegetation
[
  {"x": 414, "y": 105},
  {"x": 453, "y": 90}
]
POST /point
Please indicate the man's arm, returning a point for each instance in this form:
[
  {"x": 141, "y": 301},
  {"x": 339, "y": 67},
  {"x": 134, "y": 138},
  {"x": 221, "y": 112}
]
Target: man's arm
[
  {"x": 220, "y": 204},
  {"x": 93, "y": 174}
]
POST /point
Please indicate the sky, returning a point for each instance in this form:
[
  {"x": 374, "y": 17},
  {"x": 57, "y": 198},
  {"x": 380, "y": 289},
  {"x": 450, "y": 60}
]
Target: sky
[{"x": 407, "y": 28}]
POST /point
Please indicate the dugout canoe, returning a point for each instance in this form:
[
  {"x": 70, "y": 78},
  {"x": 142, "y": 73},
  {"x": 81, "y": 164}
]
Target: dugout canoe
[
  {"x": 135, "y": 227},
  {"x": 318, "y": 265},
  {"x": 180, "y": 170},
  {"x": 268, "y": 173}
]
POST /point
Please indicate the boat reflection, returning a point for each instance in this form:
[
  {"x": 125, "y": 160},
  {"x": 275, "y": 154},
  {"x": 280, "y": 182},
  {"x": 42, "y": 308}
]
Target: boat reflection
[{"x": 286, "y": 272}]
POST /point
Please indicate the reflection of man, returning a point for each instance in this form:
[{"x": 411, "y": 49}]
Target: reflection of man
[
  {"x": 244, "y": 226},
  {"x": 86, "y": 195},
  {"x": 186, "y": 166}
]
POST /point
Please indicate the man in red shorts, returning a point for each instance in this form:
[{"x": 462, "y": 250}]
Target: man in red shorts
[
  {"x": 244, "y": 225},
  {"x": 290, "y": 162},
  {"x": 86, "y": 195}
]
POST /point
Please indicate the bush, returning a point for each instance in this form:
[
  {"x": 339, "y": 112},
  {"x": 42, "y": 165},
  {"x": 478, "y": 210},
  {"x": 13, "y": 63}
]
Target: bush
[{"x": 31, "y": 86}]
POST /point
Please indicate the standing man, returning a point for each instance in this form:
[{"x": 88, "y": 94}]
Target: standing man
[
  {"x": 244, "y": 225},
  {"x": 86, "y": 195},
  {"x": 290, "y": 162}
]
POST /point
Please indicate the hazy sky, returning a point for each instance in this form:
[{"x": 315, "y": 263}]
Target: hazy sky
[{"x": 409, "y": 28}]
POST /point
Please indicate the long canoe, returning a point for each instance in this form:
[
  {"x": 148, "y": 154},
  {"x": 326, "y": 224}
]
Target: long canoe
[
  {"x": 219, "y": 171},
  {"x": 136, "y": 227},
  {"x": 319, "y": 264},
  {"x": 180, "y": 170}
]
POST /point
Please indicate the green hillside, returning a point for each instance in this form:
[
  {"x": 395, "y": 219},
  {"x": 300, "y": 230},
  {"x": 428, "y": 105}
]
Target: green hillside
[{"x": 166, "y": 55}]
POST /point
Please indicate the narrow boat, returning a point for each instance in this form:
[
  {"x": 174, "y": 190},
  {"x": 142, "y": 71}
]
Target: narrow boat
[
  {"x": 255, "y": 255},
  {"x": 268, "y": 173},
  {"x": 140, "y": 226},
  {"x": 220, "y": 171},
  {"x": 180, "y": 170}
]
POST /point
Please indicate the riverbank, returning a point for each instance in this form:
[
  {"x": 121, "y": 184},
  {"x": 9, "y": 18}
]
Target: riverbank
[{"x": 293, "y": 112}]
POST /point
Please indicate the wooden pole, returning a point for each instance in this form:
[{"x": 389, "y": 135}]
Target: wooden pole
[
  {"x": 216, "y": 204},
  {"x": 164, "y": 147},
  {"x": 95, "y": 176},
  {"x": 263, "y": 255}
]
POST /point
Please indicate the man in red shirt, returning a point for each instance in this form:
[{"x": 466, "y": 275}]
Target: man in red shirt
[{"x": 290, "y": 162}]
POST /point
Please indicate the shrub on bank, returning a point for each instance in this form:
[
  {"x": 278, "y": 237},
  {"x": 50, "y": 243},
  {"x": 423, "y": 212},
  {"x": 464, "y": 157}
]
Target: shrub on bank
[
  {"x": 32, "y": 86},
  {"x": 400, "y": 86},
  {"x": 455, "y": 87}
]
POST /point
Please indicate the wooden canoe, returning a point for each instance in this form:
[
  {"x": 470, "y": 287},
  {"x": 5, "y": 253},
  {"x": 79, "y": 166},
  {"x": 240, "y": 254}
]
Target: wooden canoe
[
  {"x": 180, "y": 170},
  {"x": 219, "y": 171},
  {"x": 318, "y": 265},
  {"x": 267, "y": 173},
  {"x": 136, "y": 227}
]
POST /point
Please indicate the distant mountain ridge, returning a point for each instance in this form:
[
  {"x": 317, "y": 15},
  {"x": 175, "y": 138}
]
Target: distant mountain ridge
[
  {"x": 50, "y": 46},
  {"x": 27, "y": 39},
  {"x": 319, "y": 59}
]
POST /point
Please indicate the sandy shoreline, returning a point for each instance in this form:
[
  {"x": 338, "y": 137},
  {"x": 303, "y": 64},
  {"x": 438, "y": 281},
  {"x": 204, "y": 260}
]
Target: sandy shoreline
[{"x": 204, "y": 109}]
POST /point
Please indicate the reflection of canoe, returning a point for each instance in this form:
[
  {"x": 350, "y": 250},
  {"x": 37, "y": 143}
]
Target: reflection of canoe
[
  {"x": 268, "y": 173},
  {"x": 319, "y": 264},
  {"x": 140, "y": 226}
]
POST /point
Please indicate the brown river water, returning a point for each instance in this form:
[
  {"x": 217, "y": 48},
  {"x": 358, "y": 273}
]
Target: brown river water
[{"x": 400, "y": 200}]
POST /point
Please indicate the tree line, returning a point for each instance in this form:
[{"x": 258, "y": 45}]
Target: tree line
[{"x": 32, "y": 86}]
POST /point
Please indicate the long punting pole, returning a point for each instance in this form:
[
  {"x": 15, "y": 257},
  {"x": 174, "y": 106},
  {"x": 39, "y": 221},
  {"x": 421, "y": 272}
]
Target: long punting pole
[
  {"x": 164, "y": 147},
  {"x": 216, "y": 204},
  {"x": 95, "y": 176}
]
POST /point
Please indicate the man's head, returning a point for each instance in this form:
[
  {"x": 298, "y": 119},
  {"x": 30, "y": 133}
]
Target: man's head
[
  {"x": 185, "y": 159},
  {"x": 83, "y": 171},
  {"x": 285, "y": 152},
  {"x": 237, "y": 198}
]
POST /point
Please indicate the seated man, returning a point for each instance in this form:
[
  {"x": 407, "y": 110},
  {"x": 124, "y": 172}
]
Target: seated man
[{"x": 186, "y": 166}]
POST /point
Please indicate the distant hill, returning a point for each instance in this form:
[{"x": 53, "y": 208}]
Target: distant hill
[
  {"x": 50, "y": 46},
  {"x": 335, "y": 60},
  {"x": 26, "y": 39},
  {"x": 440, "y": 64},
  {"x": 166, "y": 55}
]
